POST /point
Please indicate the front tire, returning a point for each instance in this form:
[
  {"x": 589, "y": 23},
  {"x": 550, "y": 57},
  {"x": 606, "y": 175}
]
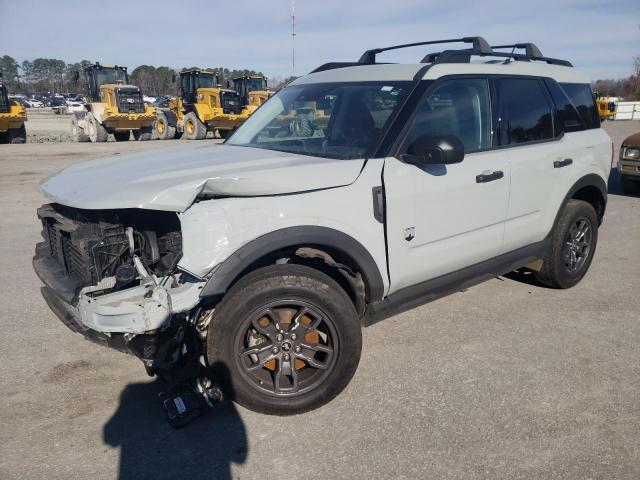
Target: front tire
[
  {"x": 628, "y": 185},
  {"x": 96, "y": 132},
  {"x": 18, "y": 135},
  {"x": 573, "y": 244},
  {"x": 193, "y": 128},
  {"x": 290, "y": 338},
  {"x": 77, "y": 132},
  {"x": 163, "y": 129},
  {"x": 143, "y": 134}
]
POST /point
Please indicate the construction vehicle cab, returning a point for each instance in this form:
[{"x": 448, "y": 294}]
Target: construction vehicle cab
[
  {"x": 114, "y": 107},
  {"x": 12, "y": 118},
  {"x": 606, "y": 106},
  {"x": 253, "y": 91},
  {"x": 202, "y": 106}
]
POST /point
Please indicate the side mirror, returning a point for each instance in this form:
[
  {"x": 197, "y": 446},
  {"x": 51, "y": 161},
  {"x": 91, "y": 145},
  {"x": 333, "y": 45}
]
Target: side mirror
[{"x": 434, "y": 150}]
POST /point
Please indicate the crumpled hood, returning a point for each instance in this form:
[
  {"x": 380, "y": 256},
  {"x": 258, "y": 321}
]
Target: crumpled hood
[{"x": 171, "y": 179}]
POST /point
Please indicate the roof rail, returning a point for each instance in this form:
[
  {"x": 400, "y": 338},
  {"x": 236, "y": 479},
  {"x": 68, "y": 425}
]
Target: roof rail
[
  {"x": 464, "y": 56},
  {"x": 530, "y": 49},
  {"x": 480, "y": 45}
]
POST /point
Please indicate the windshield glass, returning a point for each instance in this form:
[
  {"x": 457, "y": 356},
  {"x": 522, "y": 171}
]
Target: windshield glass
[
  {"x": 203, "y": 81},
  {"x": 256, "y": 84},
  {"x": 106, "y": 76},
  {"x": 333, "y": 120}
]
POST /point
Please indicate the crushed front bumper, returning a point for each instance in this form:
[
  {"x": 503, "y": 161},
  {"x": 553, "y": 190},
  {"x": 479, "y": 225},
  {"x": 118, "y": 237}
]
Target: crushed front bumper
[{"x": 113, "y": 319}]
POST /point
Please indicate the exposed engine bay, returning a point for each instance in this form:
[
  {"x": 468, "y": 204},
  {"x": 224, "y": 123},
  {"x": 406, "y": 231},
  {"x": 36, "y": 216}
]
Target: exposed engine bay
[{"x": 112, "y": 276}]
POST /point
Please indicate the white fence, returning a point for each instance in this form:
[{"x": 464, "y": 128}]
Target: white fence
[{"x": 627, "y": 111}]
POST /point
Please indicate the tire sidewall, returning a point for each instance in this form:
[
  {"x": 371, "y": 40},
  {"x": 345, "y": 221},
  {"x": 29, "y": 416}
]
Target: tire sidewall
[
  {"x": 323, "y": 294},
  {"x": 574, "y": 211}
]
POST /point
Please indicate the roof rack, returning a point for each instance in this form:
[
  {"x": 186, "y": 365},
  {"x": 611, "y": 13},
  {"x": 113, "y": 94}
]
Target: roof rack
[
  {"x": 480, "y": 45},
  {"x": 530, "y": 49},
  {"x": 464, "y": 56}
]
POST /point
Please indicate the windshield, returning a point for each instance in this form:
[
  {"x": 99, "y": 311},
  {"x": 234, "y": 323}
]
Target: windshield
[
  {"x": 333, "y": 120},
  {"x": 203, "y": 81},
  {"x": 256, "y": 84},
  {"x": 110, "y": 76}
]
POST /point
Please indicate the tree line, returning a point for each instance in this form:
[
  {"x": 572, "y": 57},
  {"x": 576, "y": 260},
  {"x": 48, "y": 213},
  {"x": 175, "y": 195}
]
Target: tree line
[
  {"x": 626, "y": 88},
  {"x": 56, "y": 76}
]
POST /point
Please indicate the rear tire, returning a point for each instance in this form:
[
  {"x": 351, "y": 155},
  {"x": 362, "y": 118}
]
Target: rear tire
[
  {"x": 77, "y": 132},
  {"x": 193, "y": 128},
  {"x": 18, "y": 135},
  {"x": 573, "y": 244},
  {"x": 97, "y": 133},
  {"x": 143, "y": 134},
  {"x": 164, "y": 131},
  {"x": 122, "y": 136},
  {"x": 308, "y": 352}
]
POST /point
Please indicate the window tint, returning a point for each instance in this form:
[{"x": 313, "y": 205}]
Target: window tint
[
  {"x": 459, "y": 107},
  {"x": 582, "y": 97},
  {"x": 525, "y": 113},
  {"x": 568, "y": 117}
]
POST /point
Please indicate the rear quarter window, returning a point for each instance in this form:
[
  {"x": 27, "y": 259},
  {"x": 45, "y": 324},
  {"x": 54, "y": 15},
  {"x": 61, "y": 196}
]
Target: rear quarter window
[{"x": 581, "y": 96}]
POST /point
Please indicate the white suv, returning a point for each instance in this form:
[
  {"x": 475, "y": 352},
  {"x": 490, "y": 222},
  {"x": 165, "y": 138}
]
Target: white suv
[{"x": 358, "y": 191}]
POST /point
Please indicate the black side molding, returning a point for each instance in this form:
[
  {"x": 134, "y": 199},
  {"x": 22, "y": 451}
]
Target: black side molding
[
  {"x": 229, "y": 270},
  {"x": 425, "y": 292}
]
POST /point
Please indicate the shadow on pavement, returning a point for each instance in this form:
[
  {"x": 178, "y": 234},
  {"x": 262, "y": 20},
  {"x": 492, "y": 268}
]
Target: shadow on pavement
[{"x": 150, "y": 448}]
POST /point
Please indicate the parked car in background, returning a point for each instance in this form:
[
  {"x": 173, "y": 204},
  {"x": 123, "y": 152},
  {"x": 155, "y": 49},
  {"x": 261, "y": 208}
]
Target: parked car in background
[
  {"x": 33, "y": 103},
  {"x": 629, "y": 163}
]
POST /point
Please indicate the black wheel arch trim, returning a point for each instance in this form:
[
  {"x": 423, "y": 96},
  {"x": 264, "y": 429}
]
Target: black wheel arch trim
[
  {"x": 590, "y": 180},
  {"x": 230, "y": 269}
]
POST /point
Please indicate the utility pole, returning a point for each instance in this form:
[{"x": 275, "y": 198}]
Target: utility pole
[{"x": 293, "y": 37}]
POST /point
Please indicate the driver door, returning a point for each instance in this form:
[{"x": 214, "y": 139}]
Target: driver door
[{"x": 443, "y": 218}]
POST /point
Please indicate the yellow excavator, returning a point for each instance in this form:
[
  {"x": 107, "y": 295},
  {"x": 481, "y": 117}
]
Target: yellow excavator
[
  {"x": 202, "y": 106},
  {"x": 114, "y": 107},
  {"x": 253, "y": 91},
  {"x": 12, "y": 118}
]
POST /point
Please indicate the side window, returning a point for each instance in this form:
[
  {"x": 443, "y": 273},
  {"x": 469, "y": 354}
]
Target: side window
[
  {"x": 459, "y": 107},
  {"x": 525, "y": 113},
  {"x": 582, "y": 97},
  {"x": 568, "y": 117}
]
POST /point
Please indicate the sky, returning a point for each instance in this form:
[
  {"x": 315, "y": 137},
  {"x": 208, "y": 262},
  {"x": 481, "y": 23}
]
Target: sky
[{"x": 601, "y": 37}]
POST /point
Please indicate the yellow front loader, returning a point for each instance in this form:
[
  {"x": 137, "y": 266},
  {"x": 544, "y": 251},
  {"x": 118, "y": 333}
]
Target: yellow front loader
[
  {"x": 114, "y": 107},
  {"x": 12, "y": 118},
  {"x": 606, "y": 107},
  {"x": 202, "y": 106},
  {"x": 253, "y": 91}
]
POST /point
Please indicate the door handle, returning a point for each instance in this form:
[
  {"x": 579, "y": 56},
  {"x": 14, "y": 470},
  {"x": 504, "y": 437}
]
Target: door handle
[
  {"x": 489, "y": 176},
  {"x": 562, "y": 163}
]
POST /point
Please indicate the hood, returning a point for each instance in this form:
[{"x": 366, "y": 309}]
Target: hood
[
  {"x": 632, "y": 141},
  {"x": 171, "y": 179}
]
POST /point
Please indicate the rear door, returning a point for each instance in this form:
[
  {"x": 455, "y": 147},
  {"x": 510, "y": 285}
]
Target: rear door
[{"x": 442, "y": 218}]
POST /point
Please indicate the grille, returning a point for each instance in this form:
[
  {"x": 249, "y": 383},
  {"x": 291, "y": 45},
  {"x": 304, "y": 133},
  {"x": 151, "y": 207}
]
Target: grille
[
  {"x": 4, "y": 100},
  {"x": 230, "y": 102},
  {"x": 129, "y": 100},
  {"x": 87, "y": 250}
]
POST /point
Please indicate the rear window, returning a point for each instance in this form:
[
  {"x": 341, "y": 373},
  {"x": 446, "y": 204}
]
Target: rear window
[
  {"x": 582, "y": 97},
  {"x": 525, "y": 112},
  {"x": 568, "y": 117}
]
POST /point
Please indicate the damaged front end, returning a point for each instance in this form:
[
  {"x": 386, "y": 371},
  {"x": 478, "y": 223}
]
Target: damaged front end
[{"x": 112, "y": 276}]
